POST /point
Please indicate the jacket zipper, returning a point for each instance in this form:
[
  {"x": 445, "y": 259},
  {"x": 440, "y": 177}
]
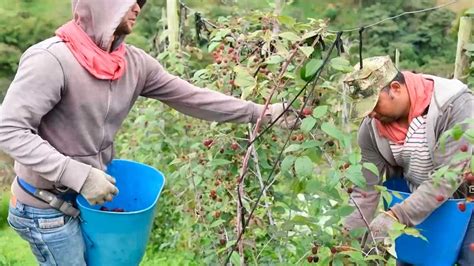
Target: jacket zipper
[{"x": 109, "y": 98}]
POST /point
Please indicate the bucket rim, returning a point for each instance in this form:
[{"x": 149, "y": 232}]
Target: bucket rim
[
  {"x": 153, "y": 205},
  {"x": 406, "y": 194}
]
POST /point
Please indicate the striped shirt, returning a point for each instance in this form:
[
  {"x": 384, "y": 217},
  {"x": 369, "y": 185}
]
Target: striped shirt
[{"x": 414, "y": 155}]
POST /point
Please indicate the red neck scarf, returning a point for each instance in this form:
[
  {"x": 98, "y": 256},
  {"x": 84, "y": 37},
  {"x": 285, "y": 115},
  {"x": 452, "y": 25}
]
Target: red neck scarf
[
  {"x": 101, "y": 64},
  {"x": 420, "y": 91}
]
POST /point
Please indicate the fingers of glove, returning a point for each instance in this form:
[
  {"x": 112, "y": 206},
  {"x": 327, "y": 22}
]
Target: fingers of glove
[
  {"x": 110, "y": 179},
  {"x": 90, "y": 201},
  {"x": 114, "y": 190},
  {"x": 109, "y": 197},
  {"x": 100, "y": 201}
]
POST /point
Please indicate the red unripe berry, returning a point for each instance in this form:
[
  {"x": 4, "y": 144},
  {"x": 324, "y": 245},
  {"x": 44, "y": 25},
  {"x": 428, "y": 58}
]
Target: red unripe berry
[
  {"x": 306, "y": 112},
  {"x": 440, "y": 198}
]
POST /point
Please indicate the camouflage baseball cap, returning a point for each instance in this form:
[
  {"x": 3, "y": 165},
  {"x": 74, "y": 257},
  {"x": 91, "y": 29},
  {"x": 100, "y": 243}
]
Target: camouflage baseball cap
[{"x": 365, "y": 84}]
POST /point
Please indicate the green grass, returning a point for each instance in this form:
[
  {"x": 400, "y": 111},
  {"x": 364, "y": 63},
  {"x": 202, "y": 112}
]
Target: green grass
[{"x": 13, "y": 249}]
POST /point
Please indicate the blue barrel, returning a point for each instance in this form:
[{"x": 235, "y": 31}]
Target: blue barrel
[
  {"x": 120, "y": 238},
  {"x": 444, "y": 229}
]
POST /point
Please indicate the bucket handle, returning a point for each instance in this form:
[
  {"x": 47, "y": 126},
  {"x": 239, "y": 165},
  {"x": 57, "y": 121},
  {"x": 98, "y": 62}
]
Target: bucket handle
[{"x": 87, "y": 239}]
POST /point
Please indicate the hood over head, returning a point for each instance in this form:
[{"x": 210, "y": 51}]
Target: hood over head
[{"x": 100, "y": 18}]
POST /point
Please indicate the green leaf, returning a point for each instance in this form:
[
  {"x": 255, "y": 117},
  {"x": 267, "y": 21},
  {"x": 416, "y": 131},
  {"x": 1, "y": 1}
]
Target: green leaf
[
  {"x": 292, "y": 147},
  {"x": 320, "y": 111},
  {"x": 354, "y": 174},
  {"x": 332, "y": 131},
  {"x": 235, "y": 258},
  {"x": 310, "y": 34},
  {"x": 375, "y": 258},
  {"x": 372, "y": 168},
  {"x": 303, "y": 166},
  {"x": 287, "y": 163},
  {"x": 337, "y": 261},
  {"x": 286, "y": 20},
  {"x": 414, "y": 232},
  {"x": 308, "y": 124},
  {"x": 307, "y": 50},
  {"x": 218, "y": 162},
  {"x": 469, "y": 47},
  {"x": 355, "y": 255},
  {"x": 217, "y": 223},
  {"x": 245, "y": 80},
  {"x": 212, "y": 46},
  {"x": 345, "y": 210},
  {"x": 301, "y": 220},
  {"x": 341, "y": 64},
  {"x": 310, "y": 144},
  {"x": 289, "y": 36},
  {"x": 387, "y": 196},
  {"x": 472, "y": 164},
  {"x": 457, "y": 132},
  {"x": 311, "y": 67},
  {"x": 470, "y": 11},
  {"x": 274, "y": 59},
  {"x": 469, "y": 135},
  {"x": 397, "y": 194}
]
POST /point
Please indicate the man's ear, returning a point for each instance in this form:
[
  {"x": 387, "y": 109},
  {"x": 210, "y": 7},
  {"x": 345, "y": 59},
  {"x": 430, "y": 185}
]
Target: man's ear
[{"x": 395, "y": 87}]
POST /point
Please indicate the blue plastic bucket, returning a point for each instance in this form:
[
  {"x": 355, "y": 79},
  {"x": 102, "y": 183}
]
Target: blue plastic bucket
[
  {"x": 444, "y": 229},
  {"x": 120, "y": 238}
]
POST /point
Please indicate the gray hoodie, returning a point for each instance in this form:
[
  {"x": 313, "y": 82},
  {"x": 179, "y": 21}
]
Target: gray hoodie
[
  {"x": 451, "y": 103},
  {"x": 57, "y": 120}
]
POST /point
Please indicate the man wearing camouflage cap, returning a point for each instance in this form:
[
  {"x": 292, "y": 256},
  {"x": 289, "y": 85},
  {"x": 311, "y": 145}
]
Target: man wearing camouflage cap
[{"x": 404, "y": 114}]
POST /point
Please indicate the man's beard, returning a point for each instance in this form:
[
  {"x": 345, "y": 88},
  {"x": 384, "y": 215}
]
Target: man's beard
[
  {"x": 387, "y": 119},
  {"x": 122, "y": 29}
]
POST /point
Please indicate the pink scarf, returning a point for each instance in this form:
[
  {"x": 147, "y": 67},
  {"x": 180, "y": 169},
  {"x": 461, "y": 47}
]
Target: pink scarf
[
  {"x": 101, "y": 64},
  {"x": 420, "y": 91}
]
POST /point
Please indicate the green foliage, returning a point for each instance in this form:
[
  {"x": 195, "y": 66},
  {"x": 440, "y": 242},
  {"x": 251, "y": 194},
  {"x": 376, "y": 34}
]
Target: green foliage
[
  {"x": 4, "y": 199},
  {"x": 423, "y": 39}
]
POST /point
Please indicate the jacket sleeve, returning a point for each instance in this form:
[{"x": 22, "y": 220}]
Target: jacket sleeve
[
  {"x": 422, "y": 202},
  {"x": 35, "y": 90},
  {"x": 194, "y": 101},
  {"x": 368, "y": 198}
]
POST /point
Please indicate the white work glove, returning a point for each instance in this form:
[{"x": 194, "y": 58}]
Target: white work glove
[
  {"x": 380, "y": 227},
  {"x": 99, "y": 187},
  {"x": 288, "y": 120}
]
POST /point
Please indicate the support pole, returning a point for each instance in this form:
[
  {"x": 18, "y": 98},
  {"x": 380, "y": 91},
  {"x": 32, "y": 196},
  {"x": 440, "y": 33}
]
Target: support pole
[{"x": 464, "y": 35}]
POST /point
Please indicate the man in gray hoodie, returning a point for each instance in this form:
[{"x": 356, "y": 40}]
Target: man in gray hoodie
[
  {"x": 404, "y": 116},
  {"x": 58, "y": 120}
]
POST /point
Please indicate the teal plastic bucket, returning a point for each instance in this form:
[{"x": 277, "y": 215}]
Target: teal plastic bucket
[
  {"x": 444, "y": 229},
  {"x": 120, "y": 238}
]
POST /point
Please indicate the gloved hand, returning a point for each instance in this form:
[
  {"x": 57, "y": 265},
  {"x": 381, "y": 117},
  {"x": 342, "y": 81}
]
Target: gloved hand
[
  {"x": 99, "y": 187},
  {"x": 381, "y": 225},
  {"x": 288, "y": 120}
]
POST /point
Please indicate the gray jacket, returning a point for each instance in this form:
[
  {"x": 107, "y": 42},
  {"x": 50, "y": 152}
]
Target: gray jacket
[
  {"x": 451, "y": 103},
  {"x": 57, "y": 120}
]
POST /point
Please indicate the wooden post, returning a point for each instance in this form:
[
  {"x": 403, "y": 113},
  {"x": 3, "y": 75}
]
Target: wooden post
[
  {"x": 173, "y": 24},
  {"x": 397, "y": 58},
  {"x": 464, "y": 34},
  {"x": 277, "y": 12}
]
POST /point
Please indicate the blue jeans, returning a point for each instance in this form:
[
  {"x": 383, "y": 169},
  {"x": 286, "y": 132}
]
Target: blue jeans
[
  {"x": 54, "y": 238},
  {"x": 466, "y": 256}
]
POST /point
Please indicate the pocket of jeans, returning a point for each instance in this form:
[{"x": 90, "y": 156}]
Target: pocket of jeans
[
  {"x": 20, "y": 225},
  {"x": 53, "y": 224}
]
